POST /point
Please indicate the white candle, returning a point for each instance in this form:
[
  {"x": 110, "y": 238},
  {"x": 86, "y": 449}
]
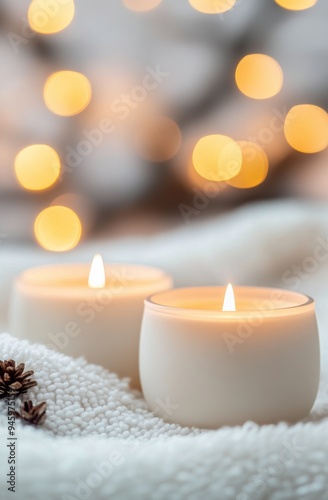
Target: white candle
[
  {"x": 211, "y": 365},
  {"x": 93, "y": 314}
]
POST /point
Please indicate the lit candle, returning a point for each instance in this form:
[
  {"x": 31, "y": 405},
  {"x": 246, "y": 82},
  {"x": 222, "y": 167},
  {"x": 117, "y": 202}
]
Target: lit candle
[
  {"x": 211, "y": 360},
  {"x": 81, "y": 312}
]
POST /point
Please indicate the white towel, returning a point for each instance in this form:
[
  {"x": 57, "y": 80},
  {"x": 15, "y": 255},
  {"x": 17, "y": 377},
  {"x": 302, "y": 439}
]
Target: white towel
[{"x": 100, "y": 441}]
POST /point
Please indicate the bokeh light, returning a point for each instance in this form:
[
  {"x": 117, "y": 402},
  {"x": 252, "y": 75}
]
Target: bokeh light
[
  {"x": 141, "y": 5},
  {"x": 212, "y": 6},
  {"x": 67, "y": 93},
  {"x": 82, "y": 205},
  {"x": 217, "y": 157},
  {"x": 306, "y": 128},
  {"x": 296, "y": 4},
  {"x": 58, "y": 229},
  {"x": 259, "y": 76},
  {"x": 50, "y": 17},
  {"x": 158, "y": 139},
  {"x": 254, "y": 169},
  {"x": 37, "y": 167}
]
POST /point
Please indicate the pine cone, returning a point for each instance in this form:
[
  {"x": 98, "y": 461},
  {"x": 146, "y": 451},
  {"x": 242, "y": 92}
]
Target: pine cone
[
  {"x": 13, "y": 380},
  {"x": 33, "y": 414}
]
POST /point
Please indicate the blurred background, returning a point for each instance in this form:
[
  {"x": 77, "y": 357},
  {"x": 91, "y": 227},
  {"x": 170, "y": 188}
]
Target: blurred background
[{"x": 131, "y": 117}]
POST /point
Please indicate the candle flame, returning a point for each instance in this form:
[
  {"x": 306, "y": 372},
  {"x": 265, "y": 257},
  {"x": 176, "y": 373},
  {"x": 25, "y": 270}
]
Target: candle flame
[
  {"x": 229, "y": 303},
  {"x": 97, "y": 276}
]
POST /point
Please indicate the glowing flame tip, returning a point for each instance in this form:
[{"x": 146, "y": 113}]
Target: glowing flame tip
[
  {"x": 229, "y": 303},
  {"x": 97, "y": 276}
]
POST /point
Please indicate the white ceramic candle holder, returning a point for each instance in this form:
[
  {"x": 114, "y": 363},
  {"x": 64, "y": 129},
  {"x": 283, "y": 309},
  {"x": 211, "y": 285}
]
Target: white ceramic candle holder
[
  {"x": 54, "y": 305},
  {"x": 205, "y": 367}
]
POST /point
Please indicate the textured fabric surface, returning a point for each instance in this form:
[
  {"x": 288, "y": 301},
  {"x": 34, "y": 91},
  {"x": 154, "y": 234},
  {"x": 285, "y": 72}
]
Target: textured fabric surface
[
  {"x": 85, "y": 399},
  {"x": 101, "y": 441},
  {"x": 123, "y": 451}
]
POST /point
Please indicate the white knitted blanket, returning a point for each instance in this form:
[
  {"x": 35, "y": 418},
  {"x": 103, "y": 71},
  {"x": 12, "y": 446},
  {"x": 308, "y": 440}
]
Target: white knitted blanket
[{"x": 100, "y": 441}]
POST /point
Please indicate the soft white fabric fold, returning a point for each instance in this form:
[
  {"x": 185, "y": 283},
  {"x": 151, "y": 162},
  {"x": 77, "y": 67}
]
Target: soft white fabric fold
[{"x": 101, "y": 441}]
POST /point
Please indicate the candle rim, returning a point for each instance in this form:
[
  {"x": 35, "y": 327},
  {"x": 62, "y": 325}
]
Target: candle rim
[
  {"x": 35, "y": 278},
  {"x": 151, "y": 302}
]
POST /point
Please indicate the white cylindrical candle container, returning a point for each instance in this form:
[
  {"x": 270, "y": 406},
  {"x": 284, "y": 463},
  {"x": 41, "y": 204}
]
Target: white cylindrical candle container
[
  {"x": 55, "y": 306},
  {"x": 204, "y": 367}
]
